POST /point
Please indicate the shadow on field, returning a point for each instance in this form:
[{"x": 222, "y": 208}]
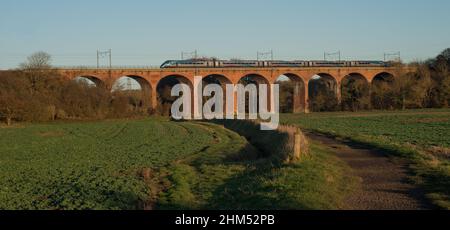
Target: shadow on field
[
  {"x": 245, "y": 180},
  {"x": 252, "y": 189},
  {"x": 234, "y": 174},
  {"x": 265, "y": 184}
]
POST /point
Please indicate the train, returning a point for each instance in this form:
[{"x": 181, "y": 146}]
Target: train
[{"x": 213, "y": 63}]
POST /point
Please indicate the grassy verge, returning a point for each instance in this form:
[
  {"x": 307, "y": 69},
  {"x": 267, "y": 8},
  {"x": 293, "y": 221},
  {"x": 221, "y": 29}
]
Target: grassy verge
[
  {"x": 412, "y": 135},
  {"x": 231, "y": 175}
]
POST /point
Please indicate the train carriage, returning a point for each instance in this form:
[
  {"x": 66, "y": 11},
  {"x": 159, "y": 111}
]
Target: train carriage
[{"x": 214, "y": 63}]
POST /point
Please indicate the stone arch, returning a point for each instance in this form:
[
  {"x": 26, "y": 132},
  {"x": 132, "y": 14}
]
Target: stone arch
[
  {"x": 383, "y": 76},
  {"x": 90, "y": 80},
  {"x": 218, "y": 79},
  {"x": 163, "y": 92},
  {"x": 256, "y": 79},
  {"x": 141, "y": 94},
  {"x": 355, "y": 92},
  {"x": 292, "y": 93},
  {"x": 382, "y": 91},
  {"x": 179, "y": 77},
  {"x": 323, "y": 92}
]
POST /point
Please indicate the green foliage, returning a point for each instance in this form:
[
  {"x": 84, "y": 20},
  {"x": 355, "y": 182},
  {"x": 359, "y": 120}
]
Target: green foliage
[
  {"x": 88, "y": 165},
  {"x": 179, "y": 195}
]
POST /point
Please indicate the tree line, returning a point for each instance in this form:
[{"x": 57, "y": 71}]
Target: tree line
[
  {"x": 37, "y": 93},
  {"x": 427, "y": 87}
]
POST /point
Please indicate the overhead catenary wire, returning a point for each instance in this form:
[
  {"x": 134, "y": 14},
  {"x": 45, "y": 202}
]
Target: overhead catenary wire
[{"x": 12, "y": 60}]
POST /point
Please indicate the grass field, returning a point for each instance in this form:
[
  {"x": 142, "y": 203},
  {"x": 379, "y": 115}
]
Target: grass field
[
  {"x": 88, "y": 165},
  {"x": 422, "y": 136},
  {"x": 427, "y": 128},
  {"x": 156, "y": 164}
]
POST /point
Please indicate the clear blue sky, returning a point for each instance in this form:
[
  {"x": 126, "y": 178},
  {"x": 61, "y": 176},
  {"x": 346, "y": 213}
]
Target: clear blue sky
[{"x": 148, "y": 32}]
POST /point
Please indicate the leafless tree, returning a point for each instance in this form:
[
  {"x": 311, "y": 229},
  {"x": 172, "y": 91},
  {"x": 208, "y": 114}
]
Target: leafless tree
[
  {"x": 37, "y": 61},
  {"x": 38, "y": 71}
]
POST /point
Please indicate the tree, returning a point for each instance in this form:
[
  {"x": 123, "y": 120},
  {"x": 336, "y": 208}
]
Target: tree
[
  {"x": 446, "y": 54},
  {"x": 39, "y": 72},
  {"x": 401, "y": 85},
  {"x": 355, "y": 94},
  {"x": 13, "y": 97},
  {"x": 323, "y": 95},
  {"x": 37, "y": 61},
  {"x": 286, "y": 96},
  {"x": 383, "y": 96},
  {"x": 422, "y": 86},
  {"x": 440, "y": 74}
]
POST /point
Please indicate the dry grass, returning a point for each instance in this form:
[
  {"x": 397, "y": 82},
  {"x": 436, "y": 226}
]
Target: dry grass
[{"x": 286, "y": 143}]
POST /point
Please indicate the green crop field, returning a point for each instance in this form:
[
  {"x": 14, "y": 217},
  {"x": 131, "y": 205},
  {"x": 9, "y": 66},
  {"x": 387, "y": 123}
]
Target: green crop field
[
  {"x": 155, "y": 164},
  {"x": 158, "y": 164},
  {"x": 422, "y": 136},
  {"x": 88, "y": 165},
  {"x": 426, "y": 128}
]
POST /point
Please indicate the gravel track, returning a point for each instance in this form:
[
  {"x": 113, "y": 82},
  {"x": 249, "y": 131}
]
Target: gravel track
[{"x": 384, "y": 184}]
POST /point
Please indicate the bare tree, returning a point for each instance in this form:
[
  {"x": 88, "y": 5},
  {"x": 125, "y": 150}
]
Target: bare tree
[
  {"x": 37, "y": 61},
  {"x": 38, "y": 70}
]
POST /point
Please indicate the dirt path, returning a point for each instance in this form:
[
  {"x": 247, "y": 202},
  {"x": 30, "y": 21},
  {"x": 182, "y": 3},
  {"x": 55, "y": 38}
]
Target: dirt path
[{"x": 383, "y": 183}]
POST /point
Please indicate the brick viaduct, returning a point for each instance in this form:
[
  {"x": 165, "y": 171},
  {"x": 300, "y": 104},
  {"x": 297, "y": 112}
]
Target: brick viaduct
[{"x": 150, "y": 79}]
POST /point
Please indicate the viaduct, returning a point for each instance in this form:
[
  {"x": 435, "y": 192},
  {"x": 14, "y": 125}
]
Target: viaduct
[{"x": 151, "y": 80}]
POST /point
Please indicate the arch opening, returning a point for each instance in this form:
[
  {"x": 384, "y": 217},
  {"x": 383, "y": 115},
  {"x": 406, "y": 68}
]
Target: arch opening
[
  {"x": 134, "y": 89},
  {"x": 323, "y": 93},
  {"x": 90, "y": 81},
  {"x": 255, "y": 79},
  {"x": 355, "y": 93},
  {"x": 382, "y": 92},
  {"x": 292, "y": 93},
  {"x": 220, "y": 80},
  {"x": 163, "y": 90}
]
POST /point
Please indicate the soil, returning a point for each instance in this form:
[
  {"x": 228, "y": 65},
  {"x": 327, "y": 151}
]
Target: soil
[{"x": 384, "y": 180}]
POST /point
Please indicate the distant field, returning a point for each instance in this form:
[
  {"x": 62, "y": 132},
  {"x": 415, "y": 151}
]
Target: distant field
[
  {"x": 422, "y": 136},
  {"x": 155, "y": 164},
  {"x": 425, "y": 128}
]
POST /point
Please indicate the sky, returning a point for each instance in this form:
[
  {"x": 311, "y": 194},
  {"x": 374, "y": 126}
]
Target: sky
[{"x": 150, "y": 32}]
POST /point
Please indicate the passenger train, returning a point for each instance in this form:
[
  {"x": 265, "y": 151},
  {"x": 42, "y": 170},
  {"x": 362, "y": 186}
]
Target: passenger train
[{"x": 213, "y": 63}]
